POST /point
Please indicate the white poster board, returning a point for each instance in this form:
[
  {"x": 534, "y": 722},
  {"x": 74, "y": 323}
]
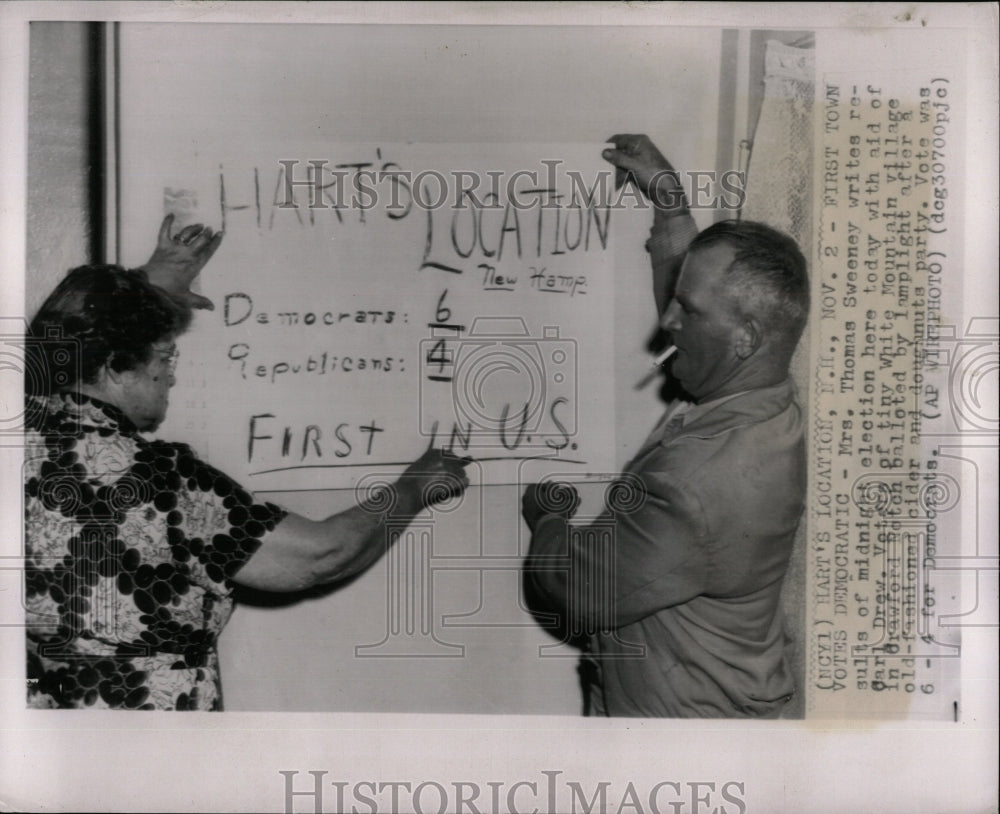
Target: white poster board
[{"x": 374, "y": 299}]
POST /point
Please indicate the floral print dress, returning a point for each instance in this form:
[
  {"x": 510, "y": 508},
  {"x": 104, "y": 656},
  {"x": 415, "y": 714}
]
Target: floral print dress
[{"x": 130, "y": 547}]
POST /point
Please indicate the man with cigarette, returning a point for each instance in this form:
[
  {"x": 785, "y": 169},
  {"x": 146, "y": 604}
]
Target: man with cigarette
[{"x": 679, "y": 604}]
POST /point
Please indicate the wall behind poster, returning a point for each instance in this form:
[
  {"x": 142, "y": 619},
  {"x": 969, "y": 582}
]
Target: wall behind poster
[{"x": 438, "y": 626}]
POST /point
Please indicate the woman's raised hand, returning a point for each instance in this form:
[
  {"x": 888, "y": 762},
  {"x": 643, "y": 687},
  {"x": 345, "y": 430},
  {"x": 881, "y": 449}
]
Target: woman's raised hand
[{"x": 179, "y": 258}]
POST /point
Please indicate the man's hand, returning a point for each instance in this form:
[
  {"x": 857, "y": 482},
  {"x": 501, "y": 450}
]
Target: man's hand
[
  {"x": 435, "y": 476},
  {"x": 177, "y": 260},
  {"x": 636, "y": 155},
  {"x": 545, "y": 498}
]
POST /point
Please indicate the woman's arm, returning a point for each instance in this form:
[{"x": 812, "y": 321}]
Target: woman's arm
[
  {"x": 300, "y": 553},
  {"x": 178, "y": 259}
]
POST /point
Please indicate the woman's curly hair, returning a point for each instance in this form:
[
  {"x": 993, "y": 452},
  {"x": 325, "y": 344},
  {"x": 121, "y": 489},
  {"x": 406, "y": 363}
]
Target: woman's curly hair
[{"x": 97, "y": 315}]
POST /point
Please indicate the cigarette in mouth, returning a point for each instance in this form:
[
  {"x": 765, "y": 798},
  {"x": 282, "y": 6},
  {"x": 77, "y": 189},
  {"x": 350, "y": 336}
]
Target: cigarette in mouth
[{"x": 659, "y": 360}]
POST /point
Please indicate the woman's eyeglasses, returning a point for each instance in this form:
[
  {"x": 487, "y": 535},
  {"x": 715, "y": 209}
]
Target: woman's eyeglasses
[{"x": 169, "y": 356}]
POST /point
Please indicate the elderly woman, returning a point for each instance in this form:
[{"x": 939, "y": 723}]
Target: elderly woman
[{"x": 134, "y": 546}]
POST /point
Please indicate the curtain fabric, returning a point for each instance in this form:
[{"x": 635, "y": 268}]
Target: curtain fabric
[{"x": 779, "y": 192}]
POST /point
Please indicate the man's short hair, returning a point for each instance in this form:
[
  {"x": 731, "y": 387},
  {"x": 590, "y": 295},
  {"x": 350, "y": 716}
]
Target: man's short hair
[
  {"x": 100, "y": 314},
  {"x": 767, "y": 278}
]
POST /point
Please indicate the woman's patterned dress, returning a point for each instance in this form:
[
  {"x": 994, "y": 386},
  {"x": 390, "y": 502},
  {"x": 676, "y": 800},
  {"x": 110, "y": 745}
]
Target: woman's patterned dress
[{"x": 130, "y": 548}]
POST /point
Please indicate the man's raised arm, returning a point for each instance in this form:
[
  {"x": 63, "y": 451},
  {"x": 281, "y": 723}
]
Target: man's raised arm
[{"x": 673, "y": 227}]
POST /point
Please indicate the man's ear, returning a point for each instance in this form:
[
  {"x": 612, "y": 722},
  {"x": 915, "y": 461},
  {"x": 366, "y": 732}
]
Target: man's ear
[{"x": 749, "y": 337}]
